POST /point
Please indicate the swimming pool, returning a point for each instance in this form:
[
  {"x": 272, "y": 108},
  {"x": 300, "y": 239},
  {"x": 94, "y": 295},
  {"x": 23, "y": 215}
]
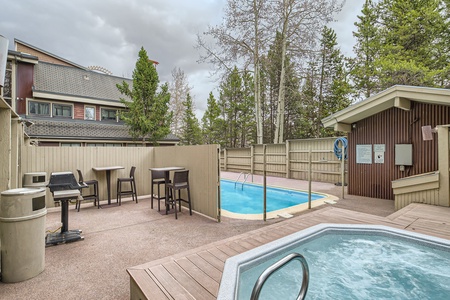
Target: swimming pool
[
  {"x": 346, "y": 262},
  {"x": 246, "y": 202}
]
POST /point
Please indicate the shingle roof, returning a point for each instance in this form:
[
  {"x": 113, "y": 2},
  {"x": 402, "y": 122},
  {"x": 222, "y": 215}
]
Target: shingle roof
[
  {"x": 70, "y": 81},
  {"x": 81, "y": 130}
]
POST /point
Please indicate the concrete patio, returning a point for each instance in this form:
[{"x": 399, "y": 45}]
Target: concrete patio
[{"x": 120, "y": 237}]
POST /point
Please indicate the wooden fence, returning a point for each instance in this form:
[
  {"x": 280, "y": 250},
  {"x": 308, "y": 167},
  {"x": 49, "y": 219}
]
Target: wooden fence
[
  {"x": 289, "y": 160},
  {"x": 202, "y": 162}
]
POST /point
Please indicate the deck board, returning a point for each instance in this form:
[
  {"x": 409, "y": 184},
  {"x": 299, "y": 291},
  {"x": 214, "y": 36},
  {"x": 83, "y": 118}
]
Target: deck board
[
  {"x": 197, "y": 273},
  {"x": 206, "y": 267}
]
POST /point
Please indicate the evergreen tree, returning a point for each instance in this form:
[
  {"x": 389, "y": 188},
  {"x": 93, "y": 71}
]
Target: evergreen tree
[
  {"x": 367, "y": 48},
  {"x": 236, "y": 103},
  {"x": 402, "y": 42},
  {"x": 147, "y": 114},
  {"x": 191, "y": 132},
  {"x": 325, "y": 89},
  {"x": 212, "y": 124}
]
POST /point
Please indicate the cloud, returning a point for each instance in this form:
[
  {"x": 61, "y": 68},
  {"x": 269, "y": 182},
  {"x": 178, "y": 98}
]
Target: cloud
[{"x": 110, "y": 33}]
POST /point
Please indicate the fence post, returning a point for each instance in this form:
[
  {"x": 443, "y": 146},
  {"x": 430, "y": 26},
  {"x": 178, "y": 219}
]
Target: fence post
[
  {"x": 264, "y": 183},
  {"x": 343, "y": 169},
  {"x": 288, "y": 160},
  {"x": 309, "y": 176},
  {"x": 252, "y": 159},
  {"x": 225, "y": 159}
]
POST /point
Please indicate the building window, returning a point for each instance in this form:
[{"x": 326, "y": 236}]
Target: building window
[
  {"x": 109, "y": 114},
  {"x": 113, "y": 145},
  {"x": 89, "y": 113},
  {"x": 39, "y": 108},
  {"x": 60, "y": 110},
  {"x": 70, "y": 144},
  {"x": 95, "y": 144}
]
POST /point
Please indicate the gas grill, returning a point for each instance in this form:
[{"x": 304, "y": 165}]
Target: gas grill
[{"x": 64, "y": 187}]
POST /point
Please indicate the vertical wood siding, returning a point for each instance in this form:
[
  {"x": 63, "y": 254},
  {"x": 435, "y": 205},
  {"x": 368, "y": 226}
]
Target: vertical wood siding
[
  {"x": 203, "y": 165},
  {"x": 391, "y": 127}
]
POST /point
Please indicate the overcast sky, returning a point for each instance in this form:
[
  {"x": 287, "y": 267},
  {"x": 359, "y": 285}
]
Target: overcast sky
[{"x": 109, "y": 33}]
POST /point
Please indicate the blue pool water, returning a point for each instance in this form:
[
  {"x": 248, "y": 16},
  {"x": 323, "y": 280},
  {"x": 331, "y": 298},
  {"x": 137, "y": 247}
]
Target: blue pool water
[
  {"x": 358, "y": 266},
  {"x": 249, "y": 200}
]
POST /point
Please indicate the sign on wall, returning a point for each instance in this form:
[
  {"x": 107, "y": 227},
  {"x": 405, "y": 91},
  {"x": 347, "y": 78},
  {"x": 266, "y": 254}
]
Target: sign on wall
[
  {"x": 379, "y": 150},
  {"x": 363, "y": 154}
]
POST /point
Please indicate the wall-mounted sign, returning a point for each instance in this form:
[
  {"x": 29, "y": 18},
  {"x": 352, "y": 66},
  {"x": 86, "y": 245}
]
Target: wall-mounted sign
[
  {"x": 363, "y": 154},
  {"x": 379, "y": 148},
  {"x": 379, "y": 157}
]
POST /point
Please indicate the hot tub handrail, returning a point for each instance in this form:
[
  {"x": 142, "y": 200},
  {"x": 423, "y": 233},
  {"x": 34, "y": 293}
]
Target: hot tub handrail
[{"x": 270, "y": 270}]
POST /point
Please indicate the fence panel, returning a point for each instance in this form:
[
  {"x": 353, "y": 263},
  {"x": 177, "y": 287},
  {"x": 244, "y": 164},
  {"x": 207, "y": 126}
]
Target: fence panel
[
  {"x": 203, "y": 165},
  {"x": 288, "y": 160}
]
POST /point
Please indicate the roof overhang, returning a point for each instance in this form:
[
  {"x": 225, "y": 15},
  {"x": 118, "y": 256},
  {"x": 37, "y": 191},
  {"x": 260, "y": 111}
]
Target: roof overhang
[
  {"x": 397, "y": 96},
  {"x": 73, "y": 98}
]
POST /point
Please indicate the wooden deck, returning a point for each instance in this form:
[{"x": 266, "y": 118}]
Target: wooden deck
[{"x": 196, "y": 274}]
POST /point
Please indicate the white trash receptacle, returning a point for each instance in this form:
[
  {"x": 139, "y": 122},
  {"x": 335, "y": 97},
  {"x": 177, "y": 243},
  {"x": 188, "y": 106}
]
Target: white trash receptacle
[{"x": 22, "y": 233}]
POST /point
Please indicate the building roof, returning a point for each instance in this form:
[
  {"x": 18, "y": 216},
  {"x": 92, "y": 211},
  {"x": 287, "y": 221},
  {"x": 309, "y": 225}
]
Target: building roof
[
  {"x": 398, "y": 96},
  {"x": 70, "y": 129},
  {"x": 52, "y": 80},
  {"x": 17, "y": 41}
]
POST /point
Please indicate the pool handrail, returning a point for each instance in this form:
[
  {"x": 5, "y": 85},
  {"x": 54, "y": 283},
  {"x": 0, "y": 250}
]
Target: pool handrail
[
  {"x": 270, "y": 270},
  {"x": 245, "y": 180},
  {"x": 240, "y": 174}
]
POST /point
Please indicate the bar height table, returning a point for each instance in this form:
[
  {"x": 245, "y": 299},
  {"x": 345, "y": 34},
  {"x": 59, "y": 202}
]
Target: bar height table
[
  {"x": 166, "y": 171},
  {"x": 108, "y": 178}
]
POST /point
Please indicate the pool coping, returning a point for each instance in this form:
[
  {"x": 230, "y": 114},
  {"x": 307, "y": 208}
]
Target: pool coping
[
  {"x": 230, "y": 276},
  {"x": 280, "y": 212}
]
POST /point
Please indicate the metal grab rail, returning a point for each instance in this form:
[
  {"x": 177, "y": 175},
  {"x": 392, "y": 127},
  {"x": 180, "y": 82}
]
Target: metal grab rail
[
  {"x": 238, "y": 179},
  {"x": 245, "y": 180},
  {"x": 270, "y": 270}
]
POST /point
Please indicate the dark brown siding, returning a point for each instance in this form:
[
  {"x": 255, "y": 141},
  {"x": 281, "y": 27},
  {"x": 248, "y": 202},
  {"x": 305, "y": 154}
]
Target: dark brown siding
[
  {"x": 24, "y": 86},
  {"x": 390, "y": 127}
]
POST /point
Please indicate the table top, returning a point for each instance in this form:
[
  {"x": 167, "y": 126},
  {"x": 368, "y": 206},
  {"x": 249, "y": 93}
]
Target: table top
[
  {"x": 167, "y": 169},
  {"x": 107, "y": 168}
]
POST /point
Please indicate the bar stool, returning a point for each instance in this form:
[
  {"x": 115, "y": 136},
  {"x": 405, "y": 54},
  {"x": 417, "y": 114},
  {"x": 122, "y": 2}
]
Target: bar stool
[
  {"x": 180, "y": 181},
  {"x": 94, "y": 196},
  {"x": 158, "y": 177},
  {"x": 132, "y": 191}
]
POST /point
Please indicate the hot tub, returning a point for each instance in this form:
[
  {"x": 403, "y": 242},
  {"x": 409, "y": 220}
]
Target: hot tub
[{"x": 346, "y": 262}]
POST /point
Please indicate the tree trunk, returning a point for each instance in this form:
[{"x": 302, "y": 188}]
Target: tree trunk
[{"x": 279, "y": 124}]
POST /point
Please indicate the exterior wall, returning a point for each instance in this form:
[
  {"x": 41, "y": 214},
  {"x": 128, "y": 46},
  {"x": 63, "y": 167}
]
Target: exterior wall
[
  {"x": 290, "y": 160},
  {"x": 391, "y": 127},
  {"x": 40, "y": 55}
]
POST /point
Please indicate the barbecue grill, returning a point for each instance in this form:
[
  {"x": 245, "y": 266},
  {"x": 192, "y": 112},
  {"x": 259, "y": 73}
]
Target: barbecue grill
[{"x": 64, "y": 187}]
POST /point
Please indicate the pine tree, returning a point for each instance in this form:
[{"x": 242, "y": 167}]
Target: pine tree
[
  {"x": 147, "y": 114},
  {"x": 212, "y": 124},
  {"x": 367, "y": 49},
  {"x": 191, "y": 133}
]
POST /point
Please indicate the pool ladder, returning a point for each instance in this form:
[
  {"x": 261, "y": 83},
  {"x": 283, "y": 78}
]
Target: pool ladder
[
  {"x": 270, "y": 270},
  {"x": 246, "y": 175}
]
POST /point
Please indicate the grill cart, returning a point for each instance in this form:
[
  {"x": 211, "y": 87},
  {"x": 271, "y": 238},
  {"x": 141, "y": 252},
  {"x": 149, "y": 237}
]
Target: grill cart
[{"x": 64, "y": 187}]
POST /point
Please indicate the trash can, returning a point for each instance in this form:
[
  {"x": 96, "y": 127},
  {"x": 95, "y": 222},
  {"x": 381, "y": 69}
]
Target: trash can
[
  {"x": 34, "y": 179},
  {"x": 22, "y": 233}
]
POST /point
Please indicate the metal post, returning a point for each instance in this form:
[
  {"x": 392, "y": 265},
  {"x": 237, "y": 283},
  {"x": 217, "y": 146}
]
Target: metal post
[
  {"x": 264, "y": 183},
  {"x": 309, "y": 176},
  {"x": 342, "y": 170}
]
